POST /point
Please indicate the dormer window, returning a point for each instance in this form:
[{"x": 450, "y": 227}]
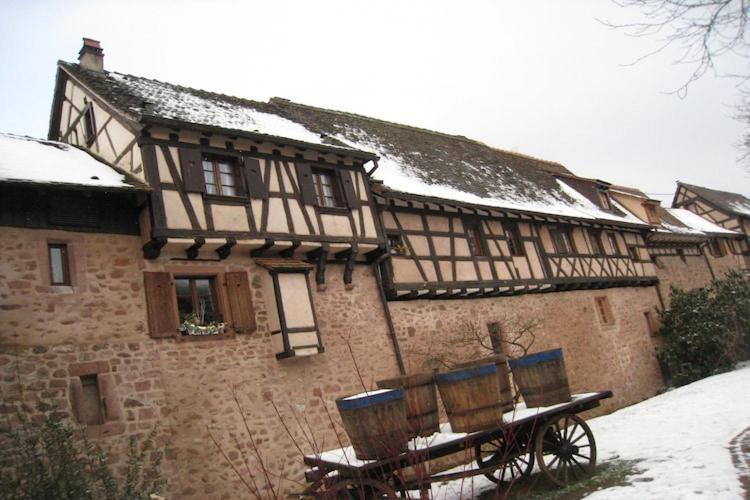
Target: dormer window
[
  {"x": 327, "y": 189},
  {"x": 604, "y": 200},
  {"x": 651, "y": 215},
  {"x": 220, "y": 176}
]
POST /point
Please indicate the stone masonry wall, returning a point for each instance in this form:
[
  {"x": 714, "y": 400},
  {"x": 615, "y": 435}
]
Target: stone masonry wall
[{"x": 619, "y": 357}]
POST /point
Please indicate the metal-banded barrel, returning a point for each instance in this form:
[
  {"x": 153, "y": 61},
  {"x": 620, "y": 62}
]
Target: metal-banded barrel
[
  {"x": 503, "y": 377},
  {"x": 471, "y": 397},
  {"x": 421, "y": 401},
  {"x": 541, "y": 378},
  {"x": 375, "y": 423}
]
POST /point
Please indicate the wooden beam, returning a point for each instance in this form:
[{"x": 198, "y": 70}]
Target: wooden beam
[{"x": 289, "y": 252}]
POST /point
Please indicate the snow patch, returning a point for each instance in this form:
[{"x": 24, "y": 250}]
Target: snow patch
[{"x": 696, "y": 222}]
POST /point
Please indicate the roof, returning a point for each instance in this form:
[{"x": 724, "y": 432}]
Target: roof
[
  {"x": 36, "y": 161},
  {"x": 148, "y": 100},
  {"x": 733, "y": 203},
  {"x": 694, "y": 222},
  {"x": 411, "y": 160}
]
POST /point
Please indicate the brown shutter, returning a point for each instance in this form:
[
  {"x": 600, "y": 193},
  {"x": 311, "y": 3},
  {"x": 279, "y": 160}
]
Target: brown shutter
[
  {"x": 350, "y": 193},
  {"x": 255, "y": 186},
  {"x": 76, "y": 398},
  {"x": 108, "y": 393},
  {"x": 160, "y": 299},
  {"x": 191, "y": 163},
  {"x": 240, "y": 302},
  {"x": 304, "y": 174}
]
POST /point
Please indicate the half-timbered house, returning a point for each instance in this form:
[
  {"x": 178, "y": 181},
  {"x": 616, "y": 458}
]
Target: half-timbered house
[{"x": 285, "y": 253}]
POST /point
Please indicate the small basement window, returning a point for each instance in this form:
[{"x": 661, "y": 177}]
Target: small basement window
[
  {"x": 514, "y": 240},
  {"x": 327, "y": 189},
  {"x": 94, "y": 399},
  {"x": 562, "y": 241},
  {"x": 220, "y": 176},
  {"x": 59, "y": 264},
  {"x": 91, "y": 412},
  {"x": 291, "y": 317},
  {"x": 604, "y": 309}
]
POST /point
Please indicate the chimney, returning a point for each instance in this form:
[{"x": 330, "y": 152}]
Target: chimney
[{"x": 91, "y": 55}]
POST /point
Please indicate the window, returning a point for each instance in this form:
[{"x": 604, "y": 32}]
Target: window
[
  {"x": 89, "y": 124},
  {"x": 91, "y": 402},
  {"x": 291, "y": 317},
  {"x": 59, "y": 266},
  {"x": 327, "y": 190},
  {"x": 614, "y": 247},
  {"x": 604, "y": 200},
  {"x": 633, "y": 253},
  {"x": 595, "y": 238},
  {"x": 220, "y": 176},
  {"x": 514, "y": 240},
  {"x": 562, "y": 241},
  {"x": 476, "y": 244},
  {"x": 604, "y": 310},
  {"x": 396, "y": 244},
  {"x": 196, "y": 301},
  {"x": 717, "y": 249}
]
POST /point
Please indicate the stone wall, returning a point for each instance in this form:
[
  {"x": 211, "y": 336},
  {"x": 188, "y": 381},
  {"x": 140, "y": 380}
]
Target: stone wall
[{"x": 619, "y": 357}]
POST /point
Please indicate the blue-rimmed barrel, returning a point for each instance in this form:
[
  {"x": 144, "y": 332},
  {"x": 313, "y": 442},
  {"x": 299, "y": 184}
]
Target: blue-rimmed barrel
[
  {"x": 541, "y": 378},
  {"x": 503, "y": 377},
  {"x": 471, "y": 397},
  {"x": 421, "y": 401},
  {"x": 375, "y": 422}
]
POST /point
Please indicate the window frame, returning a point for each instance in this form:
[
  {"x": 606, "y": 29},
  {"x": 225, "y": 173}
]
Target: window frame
[
  {"x": 563, "y": 235},
  {"x": 614, "y": 245},
  {"x": 212, "y": 280},
  {"x": 604, "y": 199},
  {"x": 216, "y": 159},
  {"x": 89, "y": 124},
  {"x": 604, "y": 311},
  {"x": 595, "y": 240},
  {"x": 716, "y": 248},
  {"x": 513, "y": 237},
  {"x": 221, "y": 300},
  {"x": 337, "y": 192},
  {"x": 65, "y": 261},
  {"x": 475, "y": 238},
  {"x": 633, "y": 253}
]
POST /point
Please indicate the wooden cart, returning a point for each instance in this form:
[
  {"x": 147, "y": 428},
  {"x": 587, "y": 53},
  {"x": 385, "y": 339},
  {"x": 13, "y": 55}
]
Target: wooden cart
[{"x": 553, "y": 437}]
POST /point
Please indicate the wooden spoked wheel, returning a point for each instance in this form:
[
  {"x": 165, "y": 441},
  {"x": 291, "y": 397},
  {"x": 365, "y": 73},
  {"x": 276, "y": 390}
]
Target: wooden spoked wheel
[
  {"x": 565, "y": 449},
  {"x": 513, "y": 462},
  {"x": 363, "y": 489}
]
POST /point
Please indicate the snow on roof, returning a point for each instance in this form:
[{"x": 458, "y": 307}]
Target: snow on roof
[
  {"x": 724, "y": 200},
  {"x": 695, "y": 223},
  {"x": 28, "y": 160}
]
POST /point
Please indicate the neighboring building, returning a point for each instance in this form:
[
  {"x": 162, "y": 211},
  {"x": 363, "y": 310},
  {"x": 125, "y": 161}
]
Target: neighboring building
[{"x": 312, "y": 247}]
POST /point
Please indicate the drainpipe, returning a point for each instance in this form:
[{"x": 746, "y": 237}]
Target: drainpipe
[
  {"x": 387, "y": 311},
  {"x": 710, "y": 269}
]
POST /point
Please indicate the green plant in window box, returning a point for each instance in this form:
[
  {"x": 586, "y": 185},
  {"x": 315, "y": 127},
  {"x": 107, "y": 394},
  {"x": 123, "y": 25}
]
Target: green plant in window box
[{"x": 202, "y": 322}]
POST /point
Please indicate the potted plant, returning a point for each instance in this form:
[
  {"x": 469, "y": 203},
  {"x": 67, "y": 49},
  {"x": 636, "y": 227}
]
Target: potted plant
[{"x": 202, "y": 323}]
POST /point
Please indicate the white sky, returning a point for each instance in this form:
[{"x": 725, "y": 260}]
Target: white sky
[{"x": 542, "y": 78}]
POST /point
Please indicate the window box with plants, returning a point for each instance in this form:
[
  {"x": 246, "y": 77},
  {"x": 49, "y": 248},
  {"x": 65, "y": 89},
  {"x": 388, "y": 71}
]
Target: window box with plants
[{"x": 202, "y": 323}]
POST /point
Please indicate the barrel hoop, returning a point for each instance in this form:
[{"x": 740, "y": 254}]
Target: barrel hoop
[
  {"x": 475, "y": 410},
  {"x": 468, "y": 373},
  {"x": 369, "y": 399},
  {"x": 423, "y": 414},
  {"x": 534, "y": 359}
]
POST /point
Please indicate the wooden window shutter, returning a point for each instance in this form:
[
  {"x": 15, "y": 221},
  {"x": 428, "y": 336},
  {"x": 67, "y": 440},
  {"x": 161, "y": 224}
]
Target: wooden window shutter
[
  {"x": 350, "y": 193},
  {"x": 108, "y": 392},
  {"x": 191, "y": 163},
  {"x": 240, "y": 302},
  {"x": 306, "y": 186},
  {"x": 160, "y": 300},
  {"x": 255, "y": 186}
]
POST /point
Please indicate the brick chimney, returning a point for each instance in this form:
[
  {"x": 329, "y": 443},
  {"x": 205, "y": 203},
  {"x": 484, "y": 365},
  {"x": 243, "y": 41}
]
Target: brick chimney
[{"x": 91, "y": 55}]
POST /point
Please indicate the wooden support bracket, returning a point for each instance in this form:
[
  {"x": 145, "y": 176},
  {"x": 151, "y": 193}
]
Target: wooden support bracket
[
  {"x": 289, "y": 252},
  {"x": 152, "y": 249},
  {"x": 226, "y": 249},
  {"x": 258, "y": 252},
  {"x": 192, "y": 251},
  {"x": 320, "y": 257}
]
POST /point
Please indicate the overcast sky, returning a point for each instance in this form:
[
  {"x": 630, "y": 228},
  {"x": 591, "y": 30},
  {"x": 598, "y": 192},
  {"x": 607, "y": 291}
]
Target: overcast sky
[{"x": 542, "y": 78}]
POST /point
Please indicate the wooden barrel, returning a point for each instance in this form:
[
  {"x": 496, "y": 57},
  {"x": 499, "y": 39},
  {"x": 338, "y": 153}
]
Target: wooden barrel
[
  {"x": 375, "y": 423},
  {"x": 503, "y": 377},
  {"x": 421, "y": 401},
  {"x": 541, "y": 378},
  {"x": 471, "y": 397}
]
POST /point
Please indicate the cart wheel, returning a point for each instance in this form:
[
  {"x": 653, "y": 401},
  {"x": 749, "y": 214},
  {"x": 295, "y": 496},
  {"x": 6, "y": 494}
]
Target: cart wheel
[
  {"x": 513, "y": 463},
  {"x": 363, "y": 489},
  {"x": 565, "y": 449}
]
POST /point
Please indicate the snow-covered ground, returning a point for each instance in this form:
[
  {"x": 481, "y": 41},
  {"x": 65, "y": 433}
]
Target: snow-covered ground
[{"x": 680, "y": 439}]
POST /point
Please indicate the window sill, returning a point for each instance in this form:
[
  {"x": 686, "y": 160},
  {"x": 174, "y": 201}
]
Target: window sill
[
  {"x": 334, "y": 210},
  {"x": 200, "y": 338},
  {"x": 234, "y": 200},
  {"x": 104, "y": 430}
]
